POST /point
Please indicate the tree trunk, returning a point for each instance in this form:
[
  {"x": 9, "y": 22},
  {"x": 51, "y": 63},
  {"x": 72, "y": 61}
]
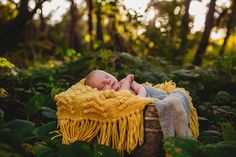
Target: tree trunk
[
  {"x": 90, "y": 22},
  {"x": 99, "y": 22},
  {"x": 42, "y": 21},
  {"x": 172, "y": 23},
  {"x": 185, "y": 28},
  {"x": 11, "y": 32},
  {"x": 153, "y": 136},
  {"x": 221, "y": 17},
  {"x": 118, "y": 44},
  {"x": 205, "y": 37},
  {"x": 230, "y": 24},
  {"x": 74, "y": 38}
]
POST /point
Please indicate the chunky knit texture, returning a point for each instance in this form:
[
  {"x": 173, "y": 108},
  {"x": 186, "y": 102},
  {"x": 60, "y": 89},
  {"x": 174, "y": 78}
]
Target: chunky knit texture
[{"x": 115, "y": 118}]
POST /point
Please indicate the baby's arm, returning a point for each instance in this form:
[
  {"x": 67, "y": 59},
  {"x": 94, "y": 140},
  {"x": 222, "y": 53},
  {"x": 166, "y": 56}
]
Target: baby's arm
[{"x": 138, "y": 89}]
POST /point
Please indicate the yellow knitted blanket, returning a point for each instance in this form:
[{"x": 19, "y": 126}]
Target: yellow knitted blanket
[{"x": 116, "y": 118}]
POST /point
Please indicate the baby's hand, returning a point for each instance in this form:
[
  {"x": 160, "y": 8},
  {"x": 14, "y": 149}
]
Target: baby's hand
[{"x": 130, "y": 77}]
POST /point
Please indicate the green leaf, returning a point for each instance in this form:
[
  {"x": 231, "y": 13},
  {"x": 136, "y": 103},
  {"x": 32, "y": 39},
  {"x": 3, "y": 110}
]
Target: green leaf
[
  {"x": 227, "y": 149},
  {"x": 3, "y": 92},
  {"x": 75, "y": 149},
  {"x": 222, "y": 98},
  {"x": 70, "y": 52},
  {"x": 181, "y": 147},
  {"x": 1, "y": 119},
  {"x": 34, "y": 104},
  {"x": 5, "y": 63},
  {"x": 184, "y": 73},
  {"x": 210, "y": 136},
  {"x": 8, "y": 151},
  {"x": 9, "y": 154},
  {"x": 65, "y": 150},
  {"x": 228, "y": 132},
  {"x": 45, "y": 129},
  {"x": 104, "y": 151},
  {"x": 6, "y": 147},
  {"x": 18, "y": 130},
  {"x": 27, "y": 149},
  {"x": 49, "y": 113},
  {"x": 55, "y": 91},
  {"x": 44, "y": 151},
  {"x": 44, "y": 132}
]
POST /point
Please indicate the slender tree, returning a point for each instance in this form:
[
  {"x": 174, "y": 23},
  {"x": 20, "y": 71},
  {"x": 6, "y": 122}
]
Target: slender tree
[
  {"x": 185, "y": 28},
  {"x": 90, "y": 22},
  {"x": 230, "y": 25},
  {"x": 221, "y": 17},
  {"x": 205, "y": 37},
  {"x": 117, "y": 40},
  {"x": 172, "y": 22},
  {"x": 42, "y": 20},
  {"x": 74, "y": 34},
  {"x": 118, "y": 44},
  {"x": 99, "y": 22},
  {"x": 11, "y": 32}
]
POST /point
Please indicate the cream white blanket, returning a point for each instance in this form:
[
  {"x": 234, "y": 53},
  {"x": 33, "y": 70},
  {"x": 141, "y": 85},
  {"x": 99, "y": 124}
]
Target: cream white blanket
[{"x": 174, "y": 112}]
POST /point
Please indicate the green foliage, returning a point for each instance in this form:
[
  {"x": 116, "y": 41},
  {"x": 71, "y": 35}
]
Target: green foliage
[
  {"x": 34, "y": 104},
  {"x": 47, "y": 64},
  {"x": 36, "y": 87},
  {"x": 3, "y": 92},
  {"x": 44, "y": 151},
  {"x": 182, "y": 147},
  {"x": 44, "y": 132},
  {"x": 220, "y": 149},
  {"x": 4, "y": 63},
  {"x": 222, "y": 98},
  {"x": 210, "y": 136},
  {"x": 8, "y": 151},
  {"x": 48, "y": 112},
  {"x": 221, "y": 113},
  {"x": 1, "y": 119},
  {"x": 7, "y": 12},
  {"x": 225, "y": 63},
  {"x": 228, "y": 132},
  {"x": 75, "y": 149},
  {"x": 104, "y": 151},
  {"x": 17, "y": 130}
]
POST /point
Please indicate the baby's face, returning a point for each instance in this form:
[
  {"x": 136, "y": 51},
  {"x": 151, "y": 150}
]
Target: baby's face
[{"x": 103, "y": 80}]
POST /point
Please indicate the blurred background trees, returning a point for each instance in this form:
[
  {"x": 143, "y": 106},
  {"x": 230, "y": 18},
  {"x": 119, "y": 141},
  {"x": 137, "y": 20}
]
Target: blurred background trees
[{"x": 165, "y": 30}]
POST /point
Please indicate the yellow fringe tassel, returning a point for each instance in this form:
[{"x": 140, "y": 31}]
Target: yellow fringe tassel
[{"x": 124, "y": 135}]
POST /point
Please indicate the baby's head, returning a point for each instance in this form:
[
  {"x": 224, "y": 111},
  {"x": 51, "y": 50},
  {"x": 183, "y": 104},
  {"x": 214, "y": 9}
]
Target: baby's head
[{"x": 101, "y": 80}]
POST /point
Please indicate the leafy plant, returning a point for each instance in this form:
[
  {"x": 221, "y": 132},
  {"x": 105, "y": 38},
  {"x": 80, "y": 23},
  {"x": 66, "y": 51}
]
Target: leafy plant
[
  {"x": 34, "y": 104},
  {"x": 17, "y": 131},
  {"x": 182, "y": 147},
  {"x": 222, "y": 98},
  {"x": 219, "y": 149},
  {"x": 185, "y": 147},
  {"x": 228, "y": 132}
]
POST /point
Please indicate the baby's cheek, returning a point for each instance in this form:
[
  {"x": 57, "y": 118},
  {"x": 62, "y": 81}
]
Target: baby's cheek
[{"x": 107, "y": 87}]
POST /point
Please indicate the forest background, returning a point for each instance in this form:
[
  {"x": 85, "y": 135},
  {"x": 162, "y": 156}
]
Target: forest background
[{"x": 40, "y": 57}]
